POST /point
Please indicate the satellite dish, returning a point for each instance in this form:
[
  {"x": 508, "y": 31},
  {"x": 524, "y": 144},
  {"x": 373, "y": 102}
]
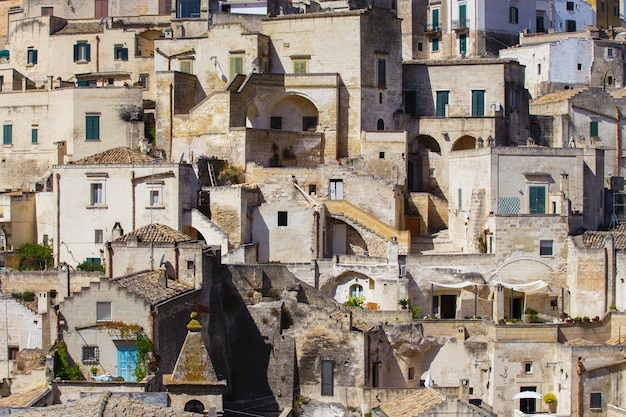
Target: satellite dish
[{"x": 162, "y": 261}]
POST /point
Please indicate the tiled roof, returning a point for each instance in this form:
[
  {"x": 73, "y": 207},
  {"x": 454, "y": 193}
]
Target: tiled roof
[
  {"x": 24, "y": 398},
  {"x": 413, "y": 404},
  {"x": 556, "y": 97},
  {"x": 595, "y": 239},
  {"x": 120, "y": 155},
  {"x": 104, "y": 405},
  {"x": 157, "y": 233},
  {"x": 80, "y": 28},
  {"x": 146, "y": 285}
]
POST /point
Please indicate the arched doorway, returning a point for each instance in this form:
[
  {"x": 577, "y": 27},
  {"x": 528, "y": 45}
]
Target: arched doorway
[
  {"x": 424, "y": 162},
  {"x": 291, "y": 112},
  {"x": 194, "y": 406}
]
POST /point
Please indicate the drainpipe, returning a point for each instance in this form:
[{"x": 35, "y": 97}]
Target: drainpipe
[
  {"x": 133, "y": 199},
  {"x": 171, "y": 119},
  {"x": 618, "y": 142},
  {"x": 97, "y": 53},
  {"x": 58, "y": 219},
  {"x": 579, "y": 372},
  {"x": 176, "y": 261}
]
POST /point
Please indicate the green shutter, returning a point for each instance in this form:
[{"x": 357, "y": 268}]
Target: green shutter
[
  {"x": 87, "y": 52},
  {"x": 442, "y": 100},
  {"x": 236, "y": 66},
  {"x": 435, "y": 44},
  {"x": 34, "y": 135},
  {"x": 124, "y": 54},
  {"x": 92, "y": 127},
  {"x": 435, "y": 21},
  {"x": 76, "y": 53},
  {"x": 537, "y": 203},
  {"x": 462, "y": 14},
  {"x": 460, "y": 197},
  {"x": 478, "y": 102},
  {"x": 463, "y": 44},
  {"x": 7, "y": 135},
  {"x": 593, "y": 129}
]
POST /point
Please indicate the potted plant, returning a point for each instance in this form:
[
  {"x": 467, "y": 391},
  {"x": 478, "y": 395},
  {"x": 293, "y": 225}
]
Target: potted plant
[
  {"x": 586, "y": 319},
  {"x": 404, "y": 303},
  {"x": 550, "y": 400},
  {"x": 532, "y": 315}
]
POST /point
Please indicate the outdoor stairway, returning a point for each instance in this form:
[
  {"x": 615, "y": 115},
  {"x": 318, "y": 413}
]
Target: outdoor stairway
[
  {"x": 364, "y": 221},
  {"x": 436, "y": 244}
]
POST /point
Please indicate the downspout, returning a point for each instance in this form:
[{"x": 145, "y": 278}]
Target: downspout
[
  {"x": 133, "y": 198},
  {"x": 109, "y": 261},
  {"x": 618, "y": 142},
  {"x": 97, "y": 53},
  {"x": 171, "y": 119},
  {"x": 58, "y": 219},
  {"x": 579, "y": 372},
  {"x": 176, "y": 260}
]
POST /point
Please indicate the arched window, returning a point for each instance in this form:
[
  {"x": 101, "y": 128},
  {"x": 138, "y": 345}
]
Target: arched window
[
  {"x": 380, "y": 125},
  {"x": 194, "y": 406},
  {"x": 356, "y": 291}
]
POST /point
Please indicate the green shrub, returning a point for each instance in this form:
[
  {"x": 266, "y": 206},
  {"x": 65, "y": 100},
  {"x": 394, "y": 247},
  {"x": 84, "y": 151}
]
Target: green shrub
[
  {"x": 90, "y": 267},
  {"x": 354, "y": 301},
  {"x": 35, "y": 257}
]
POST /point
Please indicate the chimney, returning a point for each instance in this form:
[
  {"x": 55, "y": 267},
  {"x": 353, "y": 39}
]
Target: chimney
[
  {"x": 163, "y": 278},
  {"x": 43, "y": 302}
]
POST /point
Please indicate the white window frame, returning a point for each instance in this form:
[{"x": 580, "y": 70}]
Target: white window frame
[
  {"x": 104, "y": 311},
  {"x": 96, "y": 198}
]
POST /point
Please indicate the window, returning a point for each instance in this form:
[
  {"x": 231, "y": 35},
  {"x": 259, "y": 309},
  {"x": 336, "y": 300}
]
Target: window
[
  {"x": 595, "y": 400},
  {"x": 7, "y": 134},
  {"x": 570, "y": 5},
  {"x": 610, "y": 53},
  {"x": 31, "y": 56},
  {"x": 98, "y": 236},
  {"x": 435, "y": 45},
  {"x": 410, "y": 102},
  {"x": 190, "y": 265},
  {"x": 593, "y": 129},
  {"x": 411, "y": 374},
  {"x": 537, "y": 196},
  {"x": 580, "y": 67},
  {"x": 188, "y": 8},
  {"x": 97, "y": 194},
  {"x": 463, "y": 44},
  {"x": 34, "y": 135},
  {"x": 92, "y": 127},
  {"x": 144, "y": 81},
  {"x": 276, "y": 122},
  {"x": 299, "y": 66},
  {"x": 101, "y": 8},
  {"x": 309, "y": 123},
  {"x": 381, "y": 71},
  {"x": 91, "y": 355},
  {"x": 103, "y": 311},
  {"x": 82, "y": 52},
  {"x": 570, "y": 26},
  {"x": 47, "y": 11},
  {"x": 184, "y": 65},
  {"x": 235, "y": 65},
  {"x": 356, "y": 291},
  {"x": 328, "y": 377},
  {"x": 435, "y": 19},
  {"x": 459, "y": 204},
  {"x": 154, "y": 198},
  {"x": 165, "y": 7},
  {"x": 540, "y": 24},
  {"x": 443, "y": 98},
  {"x": 381, "y": 155},
  {"x": 538, "y": 69},
  {"x": 312, "y": 189},
  {"x": 282, "y": 218},
  {"x": 478, "y": 102},
  {"x": 513, "y": 15},
  {"x": 380, "y": 124},
  {"x": 463, "y": 15},
  {"x": 528, "y": 367},
  {"x": 420, "y": 47},
  {"x": 120, "y": 53},
  {"x": 546, "y": 248}
]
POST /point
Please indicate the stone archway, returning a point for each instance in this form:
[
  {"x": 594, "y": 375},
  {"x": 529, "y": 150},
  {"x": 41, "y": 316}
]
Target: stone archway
[
  {"x": 291, "y": 112},
  {"x": 194, "y": 406},
  {"x": 423, "y": 163},
  {"x": 463, "y": 143}
]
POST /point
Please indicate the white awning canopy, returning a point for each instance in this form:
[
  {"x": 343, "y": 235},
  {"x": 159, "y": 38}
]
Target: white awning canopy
[
  {"x": 456, "y": 285},
  {"x": 528, "y": 287}
]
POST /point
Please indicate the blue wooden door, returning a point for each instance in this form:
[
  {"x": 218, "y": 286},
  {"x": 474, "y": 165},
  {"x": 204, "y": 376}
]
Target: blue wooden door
[{"x": 126, "y": 362}]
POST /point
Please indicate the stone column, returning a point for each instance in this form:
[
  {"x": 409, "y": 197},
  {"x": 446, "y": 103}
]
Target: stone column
[{"x": 498, "y": 303}]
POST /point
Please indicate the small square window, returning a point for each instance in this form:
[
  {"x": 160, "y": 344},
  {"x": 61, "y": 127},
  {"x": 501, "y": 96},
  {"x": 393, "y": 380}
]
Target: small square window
[
  {"x": 190, "y": 265},
  {"x": 91, "y": 355},
  {"x": 595, "y": 400},
  {"x": 528, "y": 367},
  {"x": 580, "y": 67},
  {"x": 185, "y": 66},
  {"x": 47, "y": 11},
  {"x": 300, "y": 66},
  {"x": 82, "y": 52},
  {"x": 98, "y": 236},
  {"x": 381, "y": 155},
  {"x": 546, "y": 248},
  {"x": 120, "y": 53},
  {"x": 31, "y": 56},
  {"x": 609, "y": 52},
  {"x": 144, "y": 81},
  {"x": 282, "y": 218},
  {"x": 103, "y": 311},
  {"x": 13, "y": 351},
  {"x": 570, "y": 5},
  {"x": 276, "y": 122},
  {"x": 411, "y": 375},
  {"x": 312, "y": 189},
  {"x": 420, "y": 47},
  {"x": 431, "y": 172},
  {"x": 154, "y": 198}
]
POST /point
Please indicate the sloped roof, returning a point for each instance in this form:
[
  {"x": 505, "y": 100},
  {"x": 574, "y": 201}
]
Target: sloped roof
[
  {"x": 413, "y": 404},
  {"x": 24, "y": 398},
  {"x": 121, "y": 155},
  {"x": 104, "y": 405},
  {"x": 157, "y": 233},
  {"x": 146, "y": 285},
  {"x": 595, "y": 239},
  {"x": 557, "y": 97},
  {"x": 75, "y": 28}
]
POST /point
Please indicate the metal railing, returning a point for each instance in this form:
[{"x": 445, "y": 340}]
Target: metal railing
[{"x": 460, "y": 24}]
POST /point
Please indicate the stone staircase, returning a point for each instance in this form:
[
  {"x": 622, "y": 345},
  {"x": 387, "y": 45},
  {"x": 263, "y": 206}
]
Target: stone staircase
[{"x": 438, "y": 243}]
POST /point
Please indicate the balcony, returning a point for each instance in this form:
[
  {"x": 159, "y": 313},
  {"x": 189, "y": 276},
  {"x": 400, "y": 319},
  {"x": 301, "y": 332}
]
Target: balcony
[
  {"x": 460, "y": 25},
  {"x": 432, "y": 29}
]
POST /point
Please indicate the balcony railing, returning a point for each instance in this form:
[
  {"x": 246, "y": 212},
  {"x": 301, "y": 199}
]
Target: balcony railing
[
  {"x": 432, "y": 28},
  {"x": 460, "y": 24}
]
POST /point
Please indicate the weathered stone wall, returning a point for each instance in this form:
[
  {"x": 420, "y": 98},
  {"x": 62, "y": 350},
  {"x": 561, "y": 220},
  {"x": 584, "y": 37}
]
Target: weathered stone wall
[
  {"x": 275, "y": 148},
  {"x": 23, "y": 327},
  {"x": 19, "y": 281}
]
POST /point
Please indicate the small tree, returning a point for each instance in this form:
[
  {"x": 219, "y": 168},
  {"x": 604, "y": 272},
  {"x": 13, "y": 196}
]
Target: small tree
[
  {"x": 35, "y": 257},
  {"x": 354, "y": 301}
]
